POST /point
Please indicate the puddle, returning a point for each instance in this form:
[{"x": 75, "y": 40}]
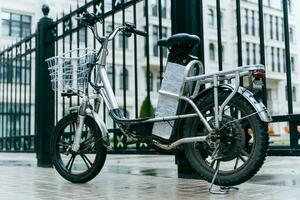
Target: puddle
[
  {"x": 276, "y": 179},
  {"x": 15, "y": 163},
  {"x": 143, "y": 171}
]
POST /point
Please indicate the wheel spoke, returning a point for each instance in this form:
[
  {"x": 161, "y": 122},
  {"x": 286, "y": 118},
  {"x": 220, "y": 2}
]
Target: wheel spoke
[
  {"x": 209, "y": 112},
  {"x": 218, "y": 165},
  {"x": 227, "y": 107},
  {"x": 236, "y": 162},
  {"x": 87, "y": 141},
  {"x": 63, "y": 143},
  {"x": 232, "y": 111},
  {"x": 87, "y": 162},
  {"x": 245, "y": 153},
  {"x": 242, "y": 158},
  {"x": 73, "y": 127},
  {"x": 70, "y": 163},
  {"x": 212, "y": 164}
]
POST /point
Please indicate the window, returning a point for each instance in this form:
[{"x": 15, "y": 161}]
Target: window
[
  {"x": 108, "y": 30},
  {"x": 150, "y": 81},
  {"x": 247, "y": 22},
  {"x": 164, "y": 33},
  {"x": 16, "y": 118},
  {"x": 124, "y": 78},
  {"x": 210, "y": 17},
  {"x": 282, "y": 29},
  {"x": 290, "y": 5},
  {"x": 291, "y": 35},
  {"x": 248, "y": 53},
  {"x": 110, "y": 74},
  {"x": 223, "y": 59},
  {"x": 284, "y": 65},
  {"x": 212, "y": 51},
  {"x": 294, "y": 93},
  {"x": 277, "y": 28},
  {"x": 271, "y": 27},
  {"x": 82, "y": 35},
  {"x": 125, "y": 112},
  {"x": 254, "y": 53},
  {"x": 158, "y": 83},
  {"x": 123, "y": 43},
  {"x": 253, "y": 22},
  {"x": 154, "y": 7},
  {"x": 164, "y": 8},
  {"x": 278, "y": 60},
  {"x": 272, "y": 59},
  {"x": 19, "y": 72},
  {"x": 155, "y": 39},
  {"x": 146, "y": 48},
  {"x": 221, "y": 19},
  {"x": 292, "y": 64},
  {"x": 108, "y": 1},
  {"x": 15, "y": 25}
]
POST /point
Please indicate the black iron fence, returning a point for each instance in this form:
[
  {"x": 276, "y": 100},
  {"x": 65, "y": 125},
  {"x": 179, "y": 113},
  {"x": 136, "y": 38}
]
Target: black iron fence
[
  {"x": 17, "y": 96},
  {"x": 129, "y": 59},
  {"x": 129, "y": 65},
  {"x": 136, "y": 64},
  {"x": 262, "y": 36}
]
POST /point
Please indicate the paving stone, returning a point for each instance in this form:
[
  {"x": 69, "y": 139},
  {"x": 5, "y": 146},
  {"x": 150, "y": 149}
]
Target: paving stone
[{"x": 141, "y": 177}]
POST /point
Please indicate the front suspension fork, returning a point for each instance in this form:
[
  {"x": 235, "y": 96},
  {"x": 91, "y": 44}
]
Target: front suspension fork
[{"x": 80, "y": 122}]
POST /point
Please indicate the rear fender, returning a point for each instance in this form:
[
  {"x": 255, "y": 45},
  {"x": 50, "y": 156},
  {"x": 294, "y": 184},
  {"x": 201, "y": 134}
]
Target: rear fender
[{"x": 259, "y": 107}]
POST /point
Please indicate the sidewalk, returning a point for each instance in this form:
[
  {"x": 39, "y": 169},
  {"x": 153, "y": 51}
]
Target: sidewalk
[{"x": 140, "y": 177}]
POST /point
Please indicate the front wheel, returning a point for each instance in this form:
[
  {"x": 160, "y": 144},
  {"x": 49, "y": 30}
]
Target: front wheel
[
  {"x": 81, "y": 166},
  {"x": 241, "y": 144}
]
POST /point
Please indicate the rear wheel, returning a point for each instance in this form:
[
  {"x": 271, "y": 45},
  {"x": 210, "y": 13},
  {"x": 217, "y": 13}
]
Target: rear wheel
[
  {"x": 81, "y": 166},
  {"x": 241, "y": 144}
]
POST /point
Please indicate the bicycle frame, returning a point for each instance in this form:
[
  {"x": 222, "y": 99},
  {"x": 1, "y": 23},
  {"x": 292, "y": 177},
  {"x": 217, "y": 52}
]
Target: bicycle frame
[{"x": 104, "y": 92}]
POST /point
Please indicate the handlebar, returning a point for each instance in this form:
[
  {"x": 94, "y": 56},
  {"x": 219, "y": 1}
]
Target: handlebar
[
  {"x": 91, "y": 19},
  {"x": 138, "y": 32},
  {"x": 131, "y": 28}
]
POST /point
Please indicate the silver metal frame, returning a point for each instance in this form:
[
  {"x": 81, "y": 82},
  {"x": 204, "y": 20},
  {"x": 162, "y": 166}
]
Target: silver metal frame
[{"x": 106, "y": 93}]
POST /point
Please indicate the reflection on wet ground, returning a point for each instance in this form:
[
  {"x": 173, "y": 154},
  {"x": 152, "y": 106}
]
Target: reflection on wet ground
[
  {"x": 118, "y": 167},
  {"x": 15, "y": 163},
  {"x": 276, "y": 179},
  {"x": 262, "y": 179},
  {"x": 141, "y": 177},
  {"x": 143, "y": 171}
]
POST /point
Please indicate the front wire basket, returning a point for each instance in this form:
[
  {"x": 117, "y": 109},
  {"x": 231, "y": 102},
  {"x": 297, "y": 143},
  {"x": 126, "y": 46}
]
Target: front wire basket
[{"x": 69, "y": 72}]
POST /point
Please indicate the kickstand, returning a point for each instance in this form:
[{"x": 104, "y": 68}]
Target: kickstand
[{"x": 222, "y": 189}]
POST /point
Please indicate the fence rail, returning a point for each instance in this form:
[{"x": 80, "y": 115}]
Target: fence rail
[
  {"x": 135, "y": 65},
  {"x": 17, "y": 96}
]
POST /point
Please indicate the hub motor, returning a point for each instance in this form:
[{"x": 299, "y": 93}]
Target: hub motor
[{"x": 230, "y": 138}]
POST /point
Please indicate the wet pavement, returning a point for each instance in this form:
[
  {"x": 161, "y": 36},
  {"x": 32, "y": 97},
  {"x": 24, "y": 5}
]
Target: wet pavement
[{"x": 141, "y": 177}]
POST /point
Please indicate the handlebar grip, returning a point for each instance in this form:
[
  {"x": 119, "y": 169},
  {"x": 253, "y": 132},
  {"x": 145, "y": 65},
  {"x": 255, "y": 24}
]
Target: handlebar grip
[
  {"x": 89, "y": 19},
  {"x": 138, "y": 32},
  {"x": 79, "y": 18}
]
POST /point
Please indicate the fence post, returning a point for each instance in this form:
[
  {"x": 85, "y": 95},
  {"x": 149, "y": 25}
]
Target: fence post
[
  {"x": 44, "y": 96},
  {"x": 187, "y": 16}
]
